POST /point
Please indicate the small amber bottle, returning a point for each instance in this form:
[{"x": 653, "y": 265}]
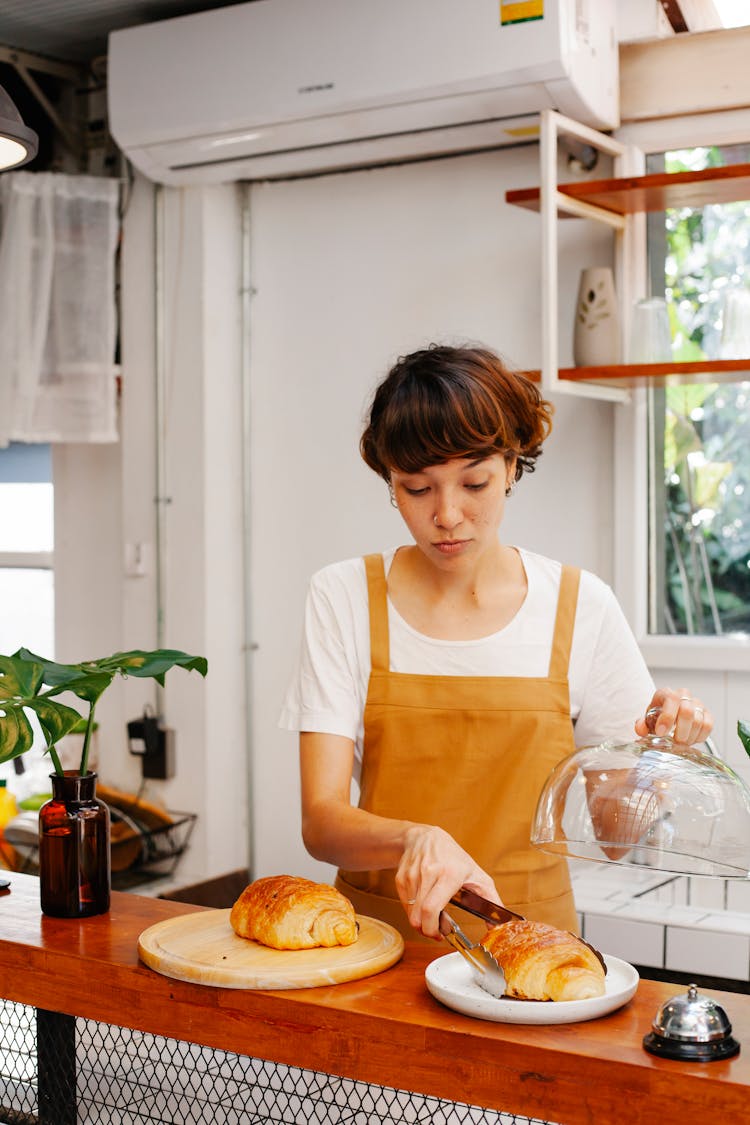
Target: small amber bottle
[{"x": 74, "y": 848}]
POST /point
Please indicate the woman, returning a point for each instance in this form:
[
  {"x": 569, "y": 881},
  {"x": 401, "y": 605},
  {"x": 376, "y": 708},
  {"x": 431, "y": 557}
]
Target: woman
[{"x": 447, "y": 677}]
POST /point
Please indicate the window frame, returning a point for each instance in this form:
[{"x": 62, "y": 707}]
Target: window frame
[
  {"x": 27, "y": 560},
  {"x": 631, "y": 498}
]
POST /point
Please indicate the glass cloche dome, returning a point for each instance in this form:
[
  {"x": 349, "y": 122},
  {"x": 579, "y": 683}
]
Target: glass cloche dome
[{"x": 650, "y": 803}]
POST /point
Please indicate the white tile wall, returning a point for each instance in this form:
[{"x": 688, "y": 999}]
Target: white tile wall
[
  {"x": 711, "y": 893},
  {"x": 711, "y": 952},
  {"x": 738, "y": 895},
  {"x": 661, "y": 914},
  {"x": 699, "y": 926},
  {"x": 640, "y": 943},
  {"x": 726, "y": 922}
]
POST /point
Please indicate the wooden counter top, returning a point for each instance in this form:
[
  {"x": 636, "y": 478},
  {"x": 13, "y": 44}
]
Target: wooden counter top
[{"x": 386, "y": 1029}]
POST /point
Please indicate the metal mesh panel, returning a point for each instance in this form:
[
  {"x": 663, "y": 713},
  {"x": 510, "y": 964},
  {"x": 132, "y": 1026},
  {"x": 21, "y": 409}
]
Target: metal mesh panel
[
  {"x": 18, "y": 1103},
  {"x": 123, "y": 1077}
]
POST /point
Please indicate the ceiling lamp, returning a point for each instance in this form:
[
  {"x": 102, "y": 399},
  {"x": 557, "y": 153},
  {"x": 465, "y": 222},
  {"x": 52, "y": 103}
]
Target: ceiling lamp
[{"x": 18, "y": 144}]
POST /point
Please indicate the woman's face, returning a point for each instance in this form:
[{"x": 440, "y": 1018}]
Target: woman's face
[{"x": 454, "y": 510}]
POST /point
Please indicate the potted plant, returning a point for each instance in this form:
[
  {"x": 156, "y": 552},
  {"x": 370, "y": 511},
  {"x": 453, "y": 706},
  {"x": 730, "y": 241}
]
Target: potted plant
[{"x": 74, "y": 838}]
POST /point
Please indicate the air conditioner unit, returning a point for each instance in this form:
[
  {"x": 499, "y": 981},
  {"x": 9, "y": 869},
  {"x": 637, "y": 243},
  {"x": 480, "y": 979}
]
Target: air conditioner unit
[{"x": 276, "y": 88}]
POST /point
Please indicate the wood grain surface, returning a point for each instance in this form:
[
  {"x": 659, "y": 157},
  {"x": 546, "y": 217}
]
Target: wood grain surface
[
  {"x": 628, "y": 195},
  {"x": 385, "y": 1029},
  {"x": 203, "y": 948}
]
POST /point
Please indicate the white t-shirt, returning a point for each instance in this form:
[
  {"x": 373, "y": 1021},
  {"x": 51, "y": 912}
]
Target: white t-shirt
[{"x": 610, "y": 685}]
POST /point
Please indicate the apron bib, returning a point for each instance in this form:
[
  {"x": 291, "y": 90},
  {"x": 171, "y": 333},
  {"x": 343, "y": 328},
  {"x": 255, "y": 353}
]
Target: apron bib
[{"x": 470, "y": 754}]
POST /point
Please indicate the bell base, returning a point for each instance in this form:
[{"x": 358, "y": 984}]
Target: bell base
[{"x": 690, "y": 1052}]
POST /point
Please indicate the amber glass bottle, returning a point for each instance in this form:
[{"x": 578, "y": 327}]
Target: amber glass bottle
[{"x": 74, "y": 848}]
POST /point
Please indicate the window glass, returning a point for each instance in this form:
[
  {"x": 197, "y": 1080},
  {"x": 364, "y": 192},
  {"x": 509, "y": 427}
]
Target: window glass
[
  {"x": 27, "y": 517},
  {"x": 26, "y": 500},
  {"x": 700, "y": 433},
  {"x": 26, "y": 589},
  {"x": 27, "y": 598}
]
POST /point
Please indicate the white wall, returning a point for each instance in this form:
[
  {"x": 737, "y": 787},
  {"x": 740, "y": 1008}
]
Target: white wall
[
  {"x": 350, "y": 271},
  {"x": 201, "y": 490}
]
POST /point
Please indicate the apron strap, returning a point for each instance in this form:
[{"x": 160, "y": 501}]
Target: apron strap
[
  {"x": 377, "y": 595},
  {"x": 562, "y": 638}
]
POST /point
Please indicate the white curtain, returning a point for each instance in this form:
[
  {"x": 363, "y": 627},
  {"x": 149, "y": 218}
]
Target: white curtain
[{"x": 58, "y": 242}]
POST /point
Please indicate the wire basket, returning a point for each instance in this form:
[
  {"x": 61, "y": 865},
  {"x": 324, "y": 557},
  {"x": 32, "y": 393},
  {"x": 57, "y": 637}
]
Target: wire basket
[
  {"x": 139, "y": 854},
  {"x": 152, "y": 853}
]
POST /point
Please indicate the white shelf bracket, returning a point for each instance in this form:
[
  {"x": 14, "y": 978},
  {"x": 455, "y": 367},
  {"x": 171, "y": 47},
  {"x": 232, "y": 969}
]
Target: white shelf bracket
[{"x": 552, "y": 202}]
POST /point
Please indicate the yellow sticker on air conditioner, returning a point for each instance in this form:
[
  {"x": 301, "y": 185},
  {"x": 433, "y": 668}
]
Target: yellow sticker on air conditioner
[
  {"x": 519, "y": 11},
  {"x": 523, "y": 131}
]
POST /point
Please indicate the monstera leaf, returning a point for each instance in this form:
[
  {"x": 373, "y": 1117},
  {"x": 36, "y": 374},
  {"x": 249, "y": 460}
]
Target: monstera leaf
[
  {"x": 31, "y": 683},
  {"x": 743, "y": 730},
  {"x": 21, "y": 684}
]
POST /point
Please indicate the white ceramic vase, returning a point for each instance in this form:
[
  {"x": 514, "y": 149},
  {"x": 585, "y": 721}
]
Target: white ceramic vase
[{"x": 596, "y": 336}]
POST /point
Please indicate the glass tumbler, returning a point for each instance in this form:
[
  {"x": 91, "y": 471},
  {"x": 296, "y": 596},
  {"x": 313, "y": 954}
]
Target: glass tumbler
[
  {"x": 735, "y": 329},
  {"x": 650, "y": 335}
]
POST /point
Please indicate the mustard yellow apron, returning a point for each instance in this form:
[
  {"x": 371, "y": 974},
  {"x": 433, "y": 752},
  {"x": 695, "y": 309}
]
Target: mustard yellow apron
[{"x": 471, "y": 754}]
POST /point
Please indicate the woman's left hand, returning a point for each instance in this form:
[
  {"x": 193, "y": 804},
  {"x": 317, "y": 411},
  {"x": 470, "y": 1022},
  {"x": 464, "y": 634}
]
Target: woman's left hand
[{"x": 681, "y": 714}]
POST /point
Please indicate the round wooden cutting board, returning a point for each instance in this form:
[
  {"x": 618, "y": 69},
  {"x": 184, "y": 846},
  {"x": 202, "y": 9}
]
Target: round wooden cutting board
[{"x": 203, "y": 948}]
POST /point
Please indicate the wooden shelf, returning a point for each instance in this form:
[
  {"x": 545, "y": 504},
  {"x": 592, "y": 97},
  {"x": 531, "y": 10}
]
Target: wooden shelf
[
  {"x": 614, "y": 202},
  {"x": 632, "y": 194},
  {"x": 655, "y": 374}
]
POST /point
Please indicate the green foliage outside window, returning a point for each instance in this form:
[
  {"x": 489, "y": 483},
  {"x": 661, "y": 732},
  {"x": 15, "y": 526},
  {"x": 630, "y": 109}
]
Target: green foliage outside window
[{"x": 706, "y": 437}]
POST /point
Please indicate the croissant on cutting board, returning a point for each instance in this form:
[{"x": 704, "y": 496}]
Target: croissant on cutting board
[
  {"x": 540, "y": 962},
  {"x": 288, "y": 912}
]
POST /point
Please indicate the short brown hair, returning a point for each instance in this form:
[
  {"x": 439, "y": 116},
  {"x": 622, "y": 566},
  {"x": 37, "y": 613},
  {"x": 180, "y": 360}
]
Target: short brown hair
[{"x": 444, "y": 403}]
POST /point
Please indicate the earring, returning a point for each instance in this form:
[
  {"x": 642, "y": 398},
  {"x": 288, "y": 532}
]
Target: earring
[
  {"x": 434, "y": 520},
  {"x": 394, "y": 503},
  {"x": 509, "y": 490}
]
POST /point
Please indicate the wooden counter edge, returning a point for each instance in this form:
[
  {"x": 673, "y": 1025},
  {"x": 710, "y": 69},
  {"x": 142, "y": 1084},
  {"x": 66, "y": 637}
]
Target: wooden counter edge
[{"x": 385, "y": 1029}]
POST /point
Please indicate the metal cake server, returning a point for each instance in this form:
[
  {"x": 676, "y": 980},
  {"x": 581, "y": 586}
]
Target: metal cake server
[{"x": 485, "y": 969}]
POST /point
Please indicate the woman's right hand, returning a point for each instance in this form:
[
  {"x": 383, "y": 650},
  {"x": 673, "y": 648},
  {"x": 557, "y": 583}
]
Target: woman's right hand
[
  {"x": 432, "y": 868},
  {"x": 430, "y": 865}
]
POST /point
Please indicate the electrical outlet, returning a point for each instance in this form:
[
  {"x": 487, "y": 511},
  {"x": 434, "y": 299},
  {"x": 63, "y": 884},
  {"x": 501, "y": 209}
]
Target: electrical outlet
[
  {"x": 153, "y": 743},
  {"x": 160, "y": 763}
]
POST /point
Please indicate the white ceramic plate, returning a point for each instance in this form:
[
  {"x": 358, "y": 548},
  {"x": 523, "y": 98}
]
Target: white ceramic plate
[{"x": 449, "y": 980}]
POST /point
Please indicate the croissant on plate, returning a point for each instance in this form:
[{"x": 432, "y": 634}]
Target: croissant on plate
[
  {"x": 542, "y": 963},
  {"x": 288, "y": 912}
]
